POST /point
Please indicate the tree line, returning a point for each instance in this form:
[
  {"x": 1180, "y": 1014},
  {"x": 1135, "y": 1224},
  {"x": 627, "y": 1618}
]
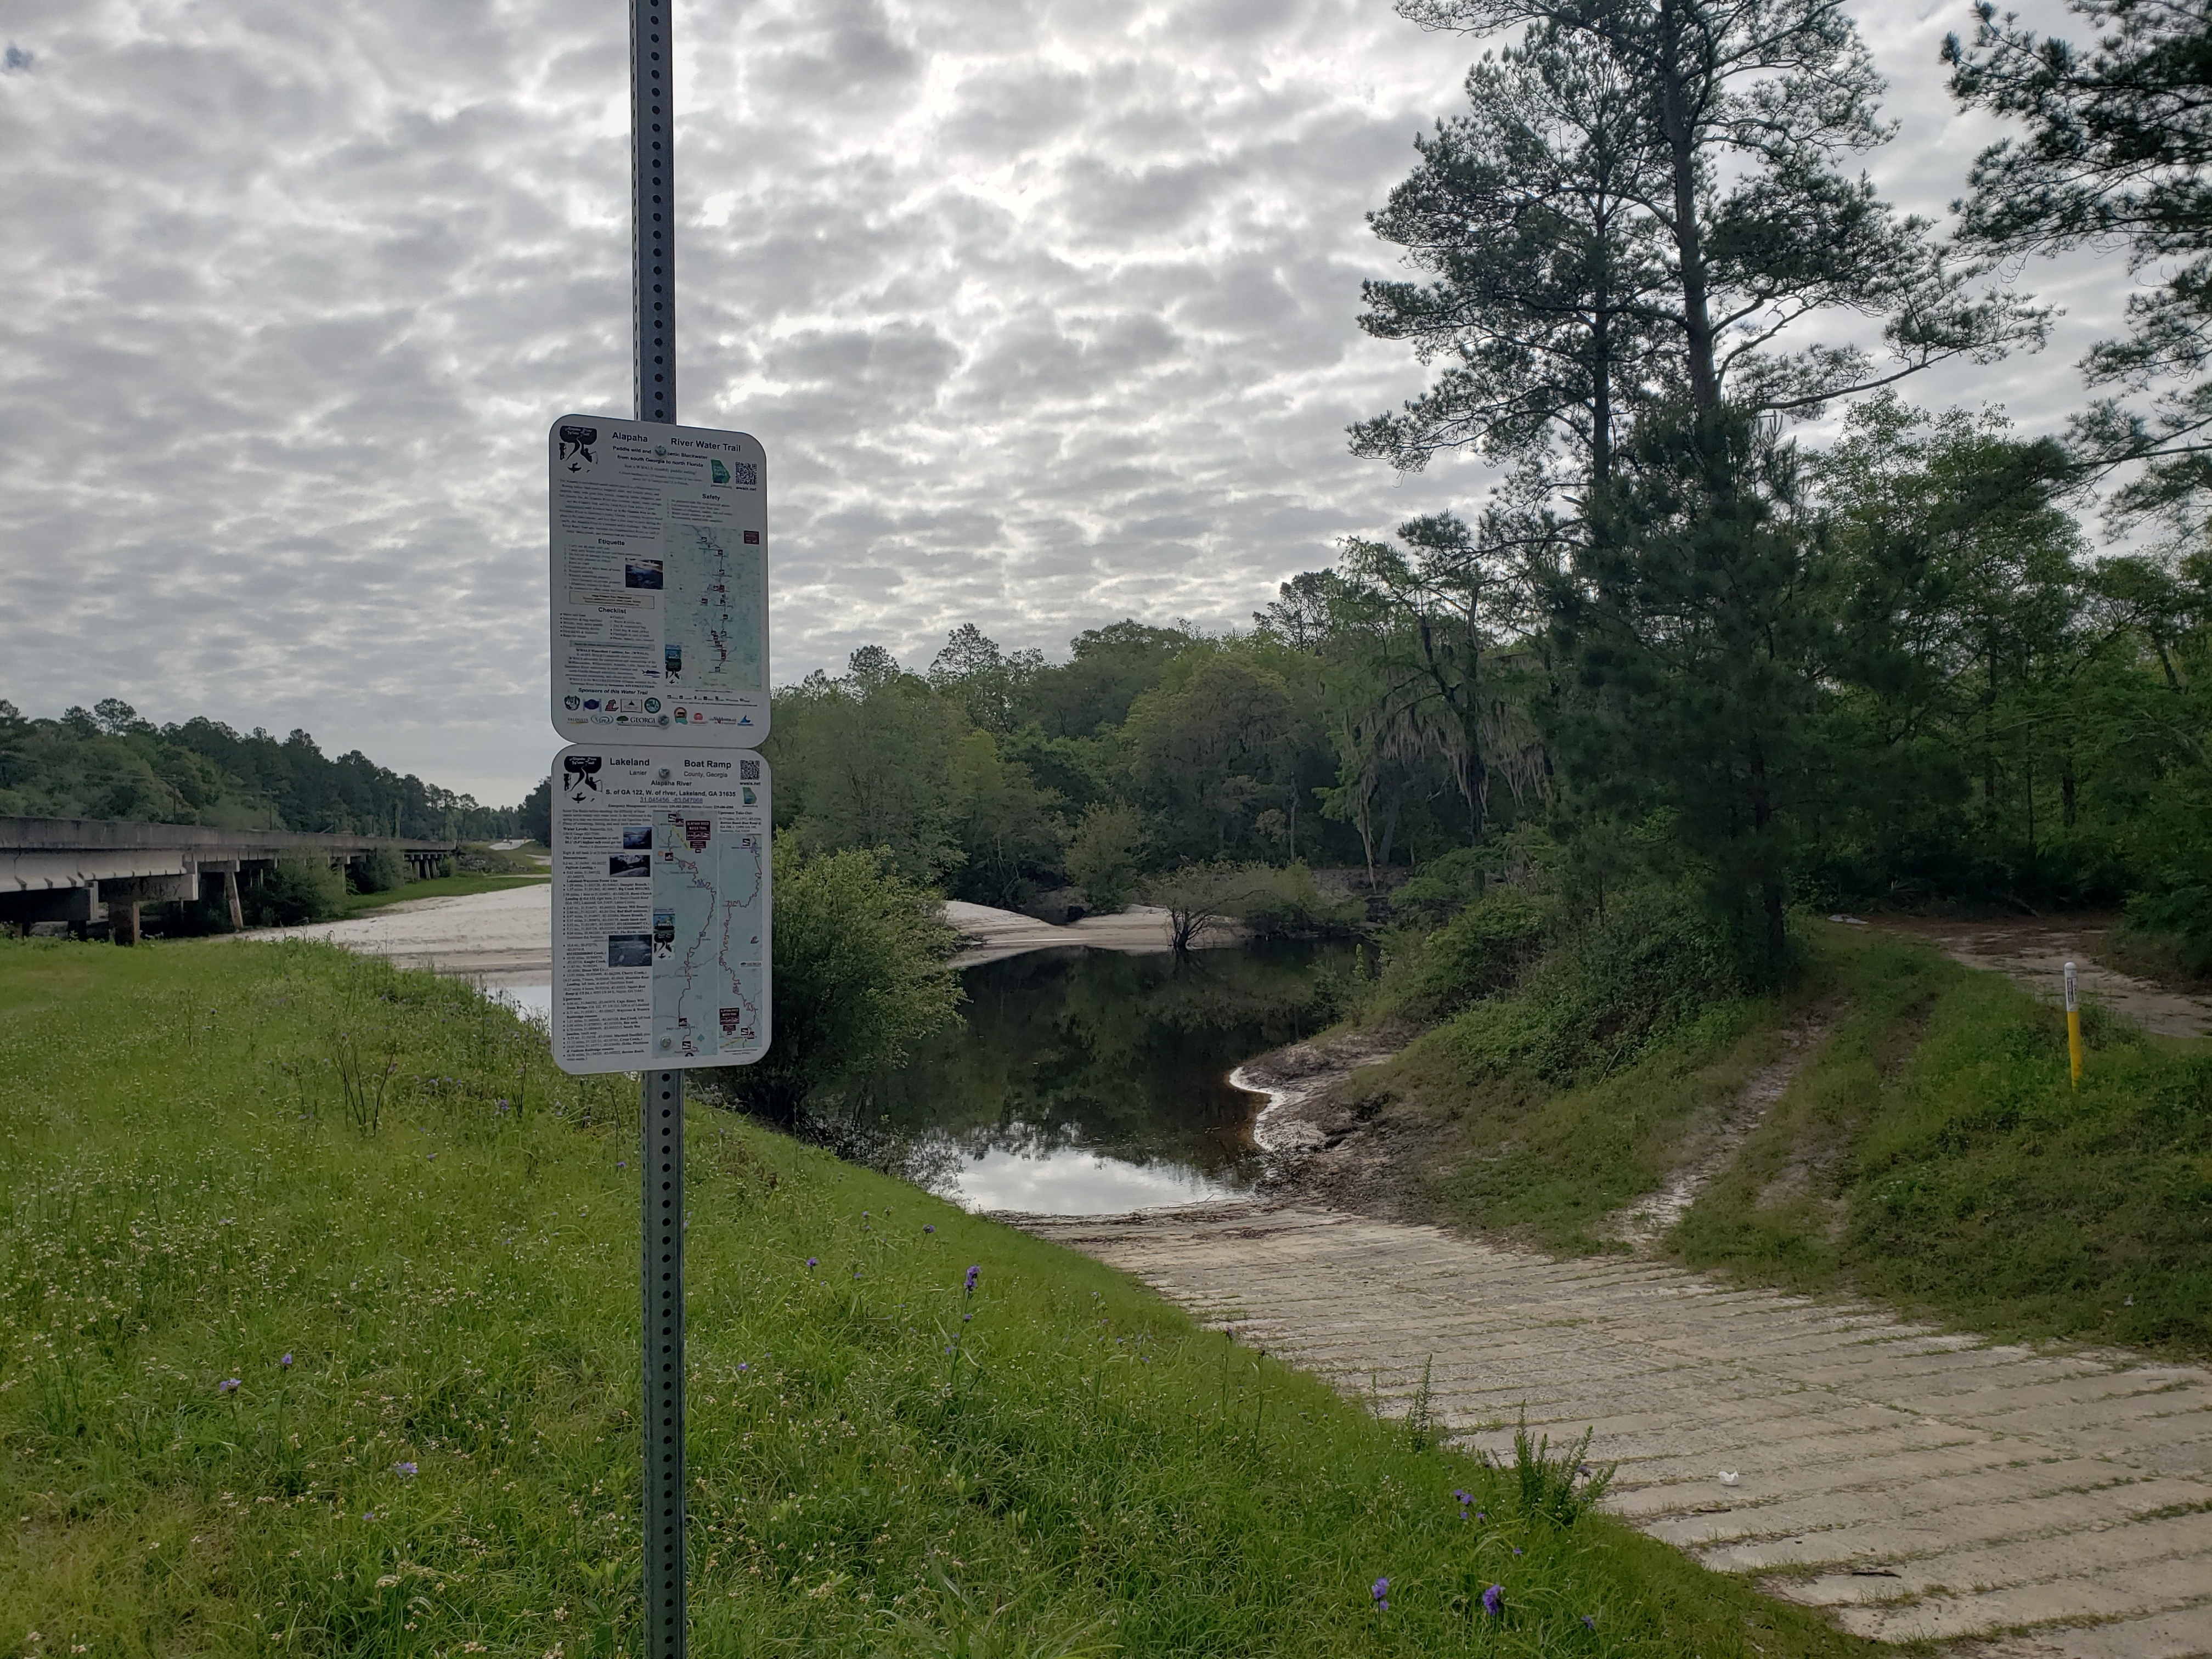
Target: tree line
[
  {"x": 107, "y": 762},
  {"x": 1677, "y": 641}
]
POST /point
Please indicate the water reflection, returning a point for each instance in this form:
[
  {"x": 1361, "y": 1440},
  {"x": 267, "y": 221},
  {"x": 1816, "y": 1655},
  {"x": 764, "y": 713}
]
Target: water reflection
[{"x": 1089, "y": 1081}]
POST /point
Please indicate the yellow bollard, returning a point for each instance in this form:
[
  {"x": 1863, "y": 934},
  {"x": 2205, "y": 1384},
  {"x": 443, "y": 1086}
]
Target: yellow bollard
[{"x": 2073, "y": 1025}]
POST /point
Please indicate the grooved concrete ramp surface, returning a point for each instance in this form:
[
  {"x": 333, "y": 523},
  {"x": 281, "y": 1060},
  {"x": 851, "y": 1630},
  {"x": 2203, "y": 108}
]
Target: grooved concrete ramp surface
[{"x": 1917, "y": 1484}]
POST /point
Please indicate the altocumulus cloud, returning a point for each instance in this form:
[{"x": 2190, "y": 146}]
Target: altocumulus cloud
[{"x": 1044, "y": 309}]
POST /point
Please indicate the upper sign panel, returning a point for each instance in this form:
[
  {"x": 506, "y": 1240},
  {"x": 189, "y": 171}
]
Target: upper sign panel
[{"x": 659, "y": 582}]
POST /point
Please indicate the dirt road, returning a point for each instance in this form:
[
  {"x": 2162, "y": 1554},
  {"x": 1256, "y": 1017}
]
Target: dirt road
[
  {"x": 1915, "y": 1483},
  {"x": 2033, "y": 951}
]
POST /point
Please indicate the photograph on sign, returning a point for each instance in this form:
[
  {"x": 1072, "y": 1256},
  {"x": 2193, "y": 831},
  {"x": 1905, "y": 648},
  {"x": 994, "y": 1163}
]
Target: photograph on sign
[
  {"x": 661, "y": 908},
  {"x": 659, "y": 582}
]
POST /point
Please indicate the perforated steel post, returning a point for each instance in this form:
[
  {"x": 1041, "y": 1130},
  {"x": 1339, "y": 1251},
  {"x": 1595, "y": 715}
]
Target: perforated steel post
[
  {"x": 662, "y": 1284},
  {"x": 653, "y": 203},
  {"x": 653, "y": 220}
]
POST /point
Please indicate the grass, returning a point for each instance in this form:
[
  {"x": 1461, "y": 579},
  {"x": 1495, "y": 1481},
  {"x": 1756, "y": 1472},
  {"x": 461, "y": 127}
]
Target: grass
[
  {"x": 439, "y": 887},
  {"x": 1930, "y": 1151},
  {"x": 366, "y": 1196},
  {"x": 1933, "y": 1153},
  {"x": 1512, "y": 1152}
]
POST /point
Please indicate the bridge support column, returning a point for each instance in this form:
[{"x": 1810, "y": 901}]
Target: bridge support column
[
  {"x": 230, "y": 903},
  {"x": 123, "y": 921},
  {"x": 84, "y": 911}
]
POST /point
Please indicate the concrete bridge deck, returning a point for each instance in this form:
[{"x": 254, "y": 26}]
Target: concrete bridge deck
[{"x": 87, "y": 871}]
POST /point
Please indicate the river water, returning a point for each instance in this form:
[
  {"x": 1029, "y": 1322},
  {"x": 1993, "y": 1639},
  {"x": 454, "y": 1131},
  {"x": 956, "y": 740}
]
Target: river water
[{"x": 1088, "y": 1082}]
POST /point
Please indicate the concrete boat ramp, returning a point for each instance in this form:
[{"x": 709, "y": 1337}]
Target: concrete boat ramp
[{"x": 1917, "y": 1484}]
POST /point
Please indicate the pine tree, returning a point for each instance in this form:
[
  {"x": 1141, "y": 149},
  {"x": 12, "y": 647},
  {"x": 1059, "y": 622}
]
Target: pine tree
[{"x": 2117, "y": 147}]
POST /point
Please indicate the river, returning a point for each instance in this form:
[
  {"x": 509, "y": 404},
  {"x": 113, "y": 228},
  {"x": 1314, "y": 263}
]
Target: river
[
  {"x": 1089, "y": 1082},
  {"x": 1084, "y": 1081}
]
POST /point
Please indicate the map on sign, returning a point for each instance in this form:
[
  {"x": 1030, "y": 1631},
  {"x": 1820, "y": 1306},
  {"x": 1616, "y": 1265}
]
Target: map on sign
[
  {"x": 707, "y": 887},
  {"x": 713, "y": 629},
  {"x": 662, "y": 887},
  {"x": 657, "y": 543}
]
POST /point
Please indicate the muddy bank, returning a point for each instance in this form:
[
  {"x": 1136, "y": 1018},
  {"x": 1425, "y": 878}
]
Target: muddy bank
[{"x": 1326, "y": 1140}]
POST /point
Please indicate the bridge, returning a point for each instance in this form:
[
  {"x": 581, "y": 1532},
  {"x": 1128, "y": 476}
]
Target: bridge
[{"x": 87, "y": 872}]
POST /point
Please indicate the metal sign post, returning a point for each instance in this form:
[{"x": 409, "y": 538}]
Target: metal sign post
[
  {"x": 663, "y": 833},
  {"x": 666, "y": 1592},
  {"x": 652, "y": 221},
  {"x": 652, "y": 204}
]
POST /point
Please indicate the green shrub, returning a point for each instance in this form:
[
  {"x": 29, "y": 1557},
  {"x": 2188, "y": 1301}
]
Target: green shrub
[
  {"x": 1288, "y": 903},
  {"x": 476, "y": 859},
  {"x": 2170, "y": 926},
  {"x": 1483, "y": 949},
  {"x": 1104, "y": 855},
  {"x": 1651, "y": 964},
  {"x": 302, "y": 887},
  {"x": 862, "y": 972},
  {"x": 1440, "y": 889},
  {"x": 384, "y": 870}
]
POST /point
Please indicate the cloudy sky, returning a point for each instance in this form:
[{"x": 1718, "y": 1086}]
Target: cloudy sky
[{"x": 1043, "y": 308}]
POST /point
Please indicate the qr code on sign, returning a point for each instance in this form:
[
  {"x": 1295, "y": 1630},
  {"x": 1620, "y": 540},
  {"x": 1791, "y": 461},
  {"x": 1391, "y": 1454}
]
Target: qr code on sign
[
  {"x": 749, "y": 771},
  {"x": 748, "y": 475}
]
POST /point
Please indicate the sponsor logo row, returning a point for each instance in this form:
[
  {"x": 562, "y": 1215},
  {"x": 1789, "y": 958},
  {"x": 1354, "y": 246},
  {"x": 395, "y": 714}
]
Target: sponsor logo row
[{"x": 643, "y": 711}]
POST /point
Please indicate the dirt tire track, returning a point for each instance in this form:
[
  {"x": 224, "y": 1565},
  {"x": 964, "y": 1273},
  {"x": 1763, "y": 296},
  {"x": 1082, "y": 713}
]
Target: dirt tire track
[{"x": 1645, "y": 1224}]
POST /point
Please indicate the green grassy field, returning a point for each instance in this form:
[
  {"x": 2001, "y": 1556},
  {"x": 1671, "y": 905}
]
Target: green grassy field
[
  {"x": 439, "y": 887},
  {"x": 318, "y": 1335},
  {"x": 1931, "y": 1150}
]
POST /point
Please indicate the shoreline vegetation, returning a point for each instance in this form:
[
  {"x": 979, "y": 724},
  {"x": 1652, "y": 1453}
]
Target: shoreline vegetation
[
  {"x": 320, "y": 1337},
  {"x": 1889, "y": 1124}
]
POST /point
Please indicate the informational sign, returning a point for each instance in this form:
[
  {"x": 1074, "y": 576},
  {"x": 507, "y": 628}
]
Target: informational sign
[
  {"x": 659, "y": 582},
  {"x": 660, "y": 907}
]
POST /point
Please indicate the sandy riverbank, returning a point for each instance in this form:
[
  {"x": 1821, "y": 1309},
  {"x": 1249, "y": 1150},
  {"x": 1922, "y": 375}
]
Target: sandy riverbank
[
  {"x": 500, "y": 939},
  {"x": 990, "y": 935},
  {"x": 507, "y": 939}
]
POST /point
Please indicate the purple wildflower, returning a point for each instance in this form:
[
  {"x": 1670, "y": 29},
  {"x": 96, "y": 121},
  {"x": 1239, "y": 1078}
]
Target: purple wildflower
[
  {"x": 964, "y": 1318},
  {"x": 226, "y": 1385},
  {"x": 1516, "y": 1549},
  {"x": 1588, "y": 1623},
  {"x": 1381, "y": 1591},
  {"x": 286, "y": 1362},
  {"x": 929, "y": 1226},
  {"x": 405, "y": 1471},
  {"x": 1493, "y": 1601},
  {"x": 743, "y": 1366},
  {"x": 813, "y": 1261},
  {"x": 1465, "y": 1499},
  {"x": 974, "y": 1274}
]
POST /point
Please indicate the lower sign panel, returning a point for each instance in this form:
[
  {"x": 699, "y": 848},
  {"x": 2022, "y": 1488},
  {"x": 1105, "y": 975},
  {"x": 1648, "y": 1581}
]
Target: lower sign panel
[{"x": 661, "y": 914}]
